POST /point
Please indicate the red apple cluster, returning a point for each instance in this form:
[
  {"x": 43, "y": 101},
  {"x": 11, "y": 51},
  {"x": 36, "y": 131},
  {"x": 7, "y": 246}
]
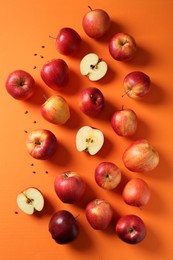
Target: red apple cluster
[{"x": 140, "y": 156}]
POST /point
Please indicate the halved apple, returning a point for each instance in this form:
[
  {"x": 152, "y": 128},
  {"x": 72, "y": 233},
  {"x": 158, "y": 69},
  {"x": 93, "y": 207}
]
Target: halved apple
[
  {"x": 93, "y": 67},
  {"x": 89, "y": 139}
]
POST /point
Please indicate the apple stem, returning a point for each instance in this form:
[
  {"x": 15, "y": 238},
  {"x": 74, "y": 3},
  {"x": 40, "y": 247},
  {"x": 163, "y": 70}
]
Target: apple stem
[
  {"x": 52, "y": 37},
  {"x": 90, "y": 7},
  {"x": 122, "y": 108},
  {"x": 77, "y": 216},
  {"x": 95, "y": 66},
  {"x": 125, "y": 93}
]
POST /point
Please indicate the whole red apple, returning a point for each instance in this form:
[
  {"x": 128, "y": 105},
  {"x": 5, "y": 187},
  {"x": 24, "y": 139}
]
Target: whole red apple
[
  {"x": 124, "y": 122},
  {"x": 137, "y": 84},
  {"x": 20, "y": 84},
  {"x": 122, "y": 47},
  {"x": 91, "y": 101},
  {"x": 55, "y": 110},
  {"x": 55, "y": 74},
  {"x": 136, "y": 192},
  {"x": 96, "y": 23},
  {"x": 99, "y": 214},
  {"x": 140, "y": 156},
  {"x": 130, "y": 229},
  {"x": 68, "y": 41},
  {"x": 63, "y": 227},
  {"x": 107, "y": 175},
  {"x": 41, "y": 144},
  {"x": 69, "y": 187}
]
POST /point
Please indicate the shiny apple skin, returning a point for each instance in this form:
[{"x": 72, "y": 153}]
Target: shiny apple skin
[
  {"x": 20, "y": 85},
  {"x": 63, "y": 227},
  {"x": 130, "y": 229},
  {"x": 69, "y": 187}
]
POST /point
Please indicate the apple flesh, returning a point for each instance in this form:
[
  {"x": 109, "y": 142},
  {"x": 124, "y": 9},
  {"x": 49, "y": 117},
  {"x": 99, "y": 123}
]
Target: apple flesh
[
  {"x": 20, "y": 85},
  {"x": 99, "y": 214},
  {"x": 55, "y": 110},
  {"x": 140, "y": 156},
  {"x": 63, "y": 227},
  {"x": 89, "y": 139},
  {"x": 107, "y": 175},
  {"x": 96, "y": 23},
  {"x": 122, "y": 47},
  {"x": 137, "y": 84},
  {"x": 68, "y": 41},
  {"x": 124, "y": 122},
  {"x": 41, "y": 144},
  {"x": 136, "y": 192},
  {"x": 30, "y": 201},
  {"x": 93, "y": 67},
  {"x": 91, "y": 101},
  {"x": 69, "y": 187},
  {"x": 130, "y": 229},
  {"x": 55, "y": 74}
]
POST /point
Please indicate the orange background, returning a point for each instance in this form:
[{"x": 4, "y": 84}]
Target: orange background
[{"x": 25, "y": 28}]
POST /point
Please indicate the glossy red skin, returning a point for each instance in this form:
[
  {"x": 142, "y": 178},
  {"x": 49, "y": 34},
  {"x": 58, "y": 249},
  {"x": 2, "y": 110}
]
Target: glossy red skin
[
  {"x": 136, "y": 192},
  {"x": 140, "y": 156},
  {"x": 68, "y": 41},
  {"x": 137, "y": 84},
  {"x": 122, "y": 47},
  {"x": 63, "y": 227},
  {"x": 130, "y": 229},
  {"x": 91, "y": 101},
  {"x": 124, "y": 122},
  {"x": 55, "y": 74},
  {"x": 41, "y": 144},
  {"x": 20, "y": 84},
  {"x": 96, "y": 23},
  {"x": 69, "y": 187}
]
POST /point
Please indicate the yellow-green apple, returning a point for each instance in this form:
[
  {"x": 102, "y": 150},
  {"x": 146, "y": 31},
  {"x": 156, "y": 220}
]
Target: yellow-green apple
[
  {"x": 63, "y": 227},
  {"x": 140, "y": 156},
  {"x": 41, "y": 143},
  {"x": 30, "y": 200},
  {"x": 136, "y": 192},
  {"x": 99, "y": 214},
  {"x": 20, "y": 84},
  {"x": 130, "y": 229},
  {"x": 122, "y": 47},
  {"x": 137, "y": 84},
  {"x": 107, "y": 175},
  {"x": 55, "y": 74},
  {"x": 68, "y": 41},
  {"x": 96, "y": 23},
  {"x": 124, "y": 122},
  {"x": 93, "y": 67},
  {"x": 89, "y": 139},
  {"x": 55, "y": 110},
  {"x": 91, "y": 101},
  {"x": 69, "y": 187}
]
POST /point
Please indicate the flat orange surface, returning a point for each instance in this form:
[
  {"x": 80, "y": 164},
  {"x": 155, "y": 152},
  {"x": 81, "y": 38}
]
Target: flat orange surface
[{"x": 25, "y": 28}]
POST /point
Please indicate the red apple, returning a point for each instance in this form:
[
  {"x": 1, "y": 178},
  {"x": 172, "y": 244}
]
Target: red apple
[
  {"x": 130, "y": 229},
  {"x": 107, "y": 175},
  {"x": 137, "y": 84},
  {"x": 68, "y": 41},
  {"x": 136, "y": 192},
  {"x": 41, "y": 144},
  {"x": 124, "y": 122},
  {"x": 99, "y": 214},
  {"x": 122, "y": 47},
  {"x": 91, "y": 101},
  {"x": 140, "y": 156},
  {"x": 96, "y": 23},
  {"x": 55, "y": 74},
  {"x": 63, "y": 227},
  {"x": 20, "y": 84},
  {"x": 69, "y": 187},
  {"x": 56, "y": 110}
]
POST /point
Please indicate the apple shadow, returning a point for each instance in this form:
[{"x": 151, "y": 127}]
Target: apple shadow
[
  {"x": 39, "y": 97},
  {"x": 62, "y": 155},
  {"x": 155, "y": 96},
  {"x": 84, "y": 49},
  {"x": 73, "y": 85},
  {"x": 109, "y": 77},
  {"x": 142, "y": 57},
  {"x": 108, "y": 145},
  {"x": 74, "y": 120},
  {"x": 48, "y": 209}
]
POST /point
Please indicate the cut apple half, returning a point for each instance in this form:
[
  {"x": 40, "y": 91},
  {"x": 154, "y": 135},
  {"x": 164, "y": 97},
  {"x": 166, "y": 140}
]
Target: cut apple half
[
  {"x": 89, "y": 139},
  {"x": 30, "y": 200},
  {"x": 93, "y": 67}
]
